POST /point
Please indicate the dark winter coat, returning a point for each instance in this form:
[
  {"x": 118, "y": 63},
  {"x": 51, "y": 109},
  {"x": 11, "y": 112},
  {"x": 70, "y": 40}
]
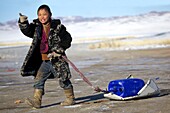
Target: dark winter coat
[{"x": 59, "y": 40}]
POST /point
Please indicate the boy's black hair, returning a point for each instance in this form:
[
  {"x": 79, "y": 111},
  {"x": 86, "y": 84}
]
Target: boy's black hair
[{"x": 46, "y": 7}]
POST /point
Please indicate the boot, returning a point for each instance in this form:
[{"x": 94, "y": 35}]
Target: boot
[
  {"x": 36, "y": 101},
  {"x": 69, "y": 97}
]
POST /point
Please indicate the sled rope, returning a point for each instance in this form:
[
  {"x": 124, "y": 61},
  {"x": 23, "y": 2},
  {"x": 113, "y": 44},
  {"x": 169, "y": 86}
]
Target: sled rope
[{"x": 97, "y": 89}]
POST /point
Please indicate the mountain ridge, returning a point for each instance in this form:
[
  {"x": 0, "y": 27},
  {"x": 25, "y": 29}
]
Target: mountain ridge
[{"x": 13, "y": 24}]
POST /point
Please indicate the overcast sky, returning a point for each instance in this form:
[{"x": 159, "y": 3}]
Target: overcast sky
[{"x": 85, "y": 8}]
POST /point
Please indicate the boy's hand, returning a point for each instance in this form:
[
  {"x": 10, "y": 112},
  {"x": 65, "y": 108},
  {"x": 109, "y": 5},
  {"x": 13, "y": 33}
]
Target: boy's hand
[
  {"x": 22, "y": 18},
  {"x": 53, "y": 55}
]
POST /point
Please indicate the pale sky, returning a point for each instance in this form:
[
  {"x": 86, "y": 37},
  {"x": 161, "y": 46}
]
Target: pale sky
[{"x": 85, "y": 8}]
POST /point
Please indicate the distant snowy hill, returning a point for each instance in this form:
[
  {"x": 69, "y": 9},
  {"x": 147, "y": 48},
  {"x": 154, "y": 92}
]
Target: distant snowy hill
[
  {"x": 86, "y": 29},
  {"x": 145, "y": 24}
]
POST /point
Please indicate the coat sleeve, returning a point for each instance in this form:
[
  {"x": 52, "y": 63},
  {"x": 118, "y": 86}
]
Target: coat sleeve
[
  {"x": 26, "y": 28},
  {"x": 66, "y": 38}
]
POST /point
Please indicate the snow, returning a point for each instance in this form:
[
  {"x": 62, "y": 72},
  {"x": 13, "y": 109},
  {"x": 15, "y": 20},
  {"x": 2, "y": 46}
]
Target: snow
[{"x": 97, "y": 29}]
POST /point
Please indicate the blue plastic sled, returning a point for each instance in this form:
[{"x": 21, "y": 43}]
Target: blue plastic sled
[{"x": 131, "y": 88}]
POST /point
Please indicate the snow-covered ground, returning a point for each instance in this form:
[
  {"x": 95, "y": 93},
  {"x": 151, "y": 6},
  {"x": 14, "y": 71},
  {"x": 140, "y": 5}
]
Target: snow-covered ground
[{"x": 151, "y": 26}]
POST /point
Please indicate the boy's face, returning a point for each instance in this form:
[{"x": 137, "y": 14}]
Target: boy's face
[{"x": 43, "y": 16}]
